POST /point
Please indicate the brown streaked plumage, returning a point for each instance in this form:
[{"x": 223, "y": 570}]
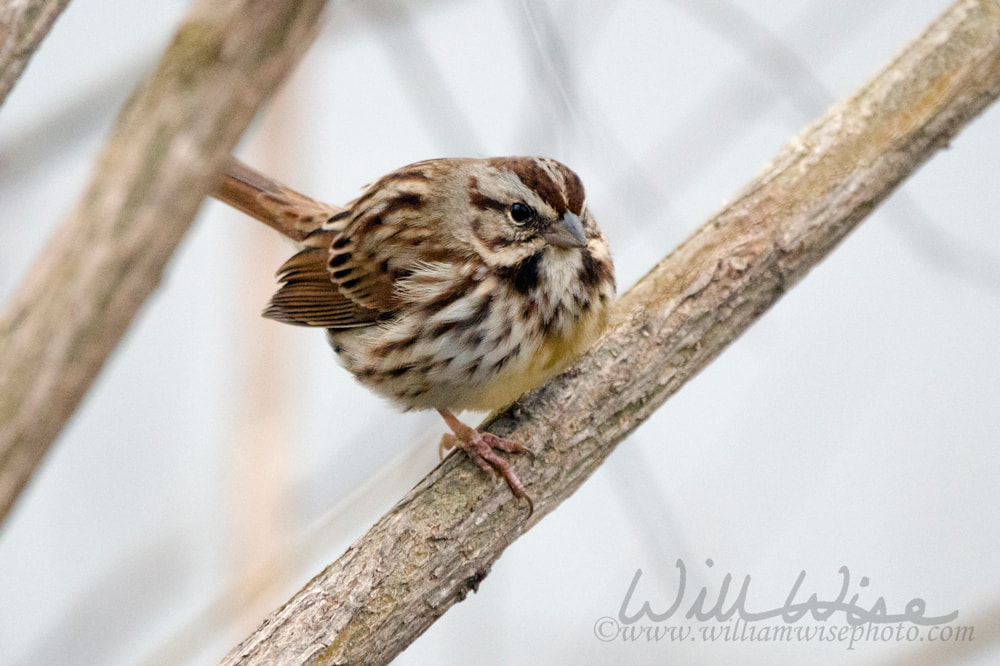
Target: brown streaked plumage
[{"x": 448, "y": 284}]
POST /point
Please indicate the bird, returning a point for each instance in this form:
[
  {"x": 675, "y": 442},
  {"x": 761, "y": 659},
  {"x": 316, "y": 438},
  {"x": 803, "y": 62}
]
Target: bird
[{"x": 449, "y": 284}]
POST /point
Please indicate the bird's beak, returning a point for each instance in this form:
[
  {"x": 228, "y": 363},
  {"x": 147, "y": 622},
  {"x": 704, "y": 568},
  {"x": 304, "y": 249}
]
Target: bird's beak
[{"x": 567, "y": 232}]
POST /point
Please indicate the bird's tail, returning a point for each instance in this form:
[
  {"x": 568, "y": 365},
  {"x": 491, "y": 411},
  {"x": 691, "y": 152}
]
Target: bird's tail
[{"x": 293, "y": 214}]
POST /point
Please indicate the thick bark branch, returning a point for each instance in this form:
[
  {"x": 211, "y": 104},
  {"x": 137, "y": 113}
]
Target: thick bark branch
[
  {"x": 440, "y": 541},
  {"x": 23, "y": 26},
  {"x": 170, "y": 141}
]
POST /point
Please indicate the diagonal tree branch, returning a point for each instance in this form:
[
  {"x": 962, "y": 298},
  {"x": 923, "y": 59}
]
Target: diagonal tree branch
[
  {"x": 23, "y": 26},
  {"x": 441, "y": 539},
  {"x": 171, "y": 139}
]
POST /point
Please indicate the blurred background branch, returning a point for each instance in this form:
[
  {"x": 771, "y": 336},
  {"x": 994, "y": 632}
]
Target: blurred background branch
[
  {"x": 169, "y": 142},
  {"x": 23, "y": 26},
  {"x": 440, "y": 541}
]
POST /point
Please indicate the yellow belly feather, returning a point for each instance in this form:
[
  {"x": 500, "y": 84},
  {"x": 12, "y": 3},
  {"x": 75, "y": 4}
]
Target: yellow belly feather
[{"x": 552, "y": 357}]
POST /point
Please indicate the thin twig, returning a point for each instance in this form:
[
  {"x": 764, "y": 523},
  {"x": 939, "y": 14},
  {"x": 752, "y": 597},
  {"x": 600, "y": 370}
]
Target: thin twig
[
  {"x": 171, "y": 139},
  {"x": 440, "y": 541}
]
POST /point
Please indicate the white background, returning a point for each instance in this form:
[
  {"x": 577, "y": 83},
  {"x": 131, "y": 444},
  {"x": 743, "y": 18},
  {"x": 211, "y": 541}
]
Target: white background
[{"x": 221, "y": 460}]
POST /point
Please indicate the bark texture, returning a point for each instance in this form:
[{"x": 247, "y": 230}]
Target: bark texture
[{"x": 169, "y": 143}]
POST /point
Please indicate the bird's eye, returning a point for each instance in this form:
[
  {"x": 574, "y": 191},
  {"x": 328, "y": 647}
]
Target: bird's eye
[{"x": 520, "y": 212}]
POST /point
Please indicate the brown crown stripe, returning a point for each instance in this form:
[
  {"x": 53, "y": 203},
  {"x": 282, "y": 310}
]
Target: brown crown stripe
[
  {"x": 534, "y": 176},
  {"x": 575, "y": 194}
]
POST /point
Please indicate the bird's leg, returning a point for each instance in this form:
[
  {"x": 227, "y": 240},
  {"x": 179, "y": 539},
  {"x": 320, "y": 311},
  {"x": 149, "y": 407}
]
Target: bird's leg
[{"x": 482, "y": 450}]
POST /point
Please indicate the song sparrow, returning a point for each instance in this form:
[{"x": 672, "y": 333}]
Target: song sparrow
[{"x": 449, "y": 284}]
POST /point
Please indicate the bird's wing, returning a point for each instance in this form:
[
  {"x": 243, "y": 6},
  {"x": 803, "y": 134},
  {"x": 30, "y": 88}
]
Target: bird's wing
[{"x": 308, "y": 297}]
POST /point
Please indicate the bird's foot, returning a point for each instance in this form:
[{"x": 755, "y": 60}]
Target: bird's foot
[{"x": 482, "y": 450}]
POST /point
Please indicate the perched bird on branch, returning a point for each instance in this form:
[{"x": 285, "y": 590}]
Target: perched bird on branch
[{"x": 449, "y": 284}]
